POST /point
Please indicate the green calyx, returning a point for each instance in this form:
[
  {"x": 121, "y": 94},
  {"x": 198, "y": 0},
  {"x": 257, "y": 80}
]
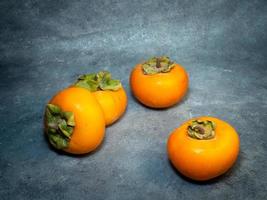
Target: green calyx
[
  {"x": 157, "y": 65},
  {"x": 59, "y": 126},
  {"x": 201, "y": 129},
  {"x": 98, "y": 81}
]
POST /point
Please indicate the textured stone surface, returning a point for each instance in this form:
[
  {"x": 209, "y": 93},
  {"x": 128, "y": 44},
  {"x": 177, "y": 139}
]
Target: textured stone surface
[{"x": 46, "y": 44}]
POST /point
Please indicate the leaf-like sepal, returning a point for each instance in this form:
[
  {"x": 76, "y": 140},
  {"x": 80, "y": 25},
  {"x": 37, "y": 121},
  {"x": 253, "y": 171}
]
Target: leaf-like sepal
[
  {"x": 98, "y": 81},
  {"x": 157, "y": 65},
  {"x": 59, "y": 126}
]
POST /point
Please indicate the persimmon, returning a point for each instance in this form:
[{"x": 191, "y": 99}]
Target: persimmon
[
  {"x": 159, "y": 82},
  {"x": 74, "y": 121},
  {"x": 203, "y": 148},
  {"x": 109, "y": 93}
]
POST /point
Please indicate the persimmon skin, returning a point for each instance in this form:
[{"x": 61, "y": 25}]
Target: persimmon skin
[
  {"x": 89, "y": 119},
  {"x": 202, "y": 160},
  {"x": 160, "y": 90},
  {"x": 113, "y": 103}
]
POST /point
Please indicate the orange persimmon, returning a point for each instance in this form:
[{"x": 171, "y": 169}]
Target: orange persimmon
[
  {"x": 74, "y": 121},
  {"x": 113, "y": 103},
  {"x": 159, "y": 82},
  {"x": 109, "y": 93},
  {"x": 203, "y": 148}
]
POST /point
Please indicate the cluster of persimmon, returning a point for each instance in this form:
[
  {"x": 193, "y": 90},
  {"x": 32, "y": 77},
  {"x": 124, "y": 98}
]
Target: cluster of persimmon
[{"x": 75, "y": 119}]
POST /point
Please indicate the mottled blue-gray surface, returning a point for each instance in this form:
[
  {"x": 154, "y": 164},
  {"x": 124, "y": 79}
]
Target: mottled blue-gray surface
[{"x": 44, "y": 45}]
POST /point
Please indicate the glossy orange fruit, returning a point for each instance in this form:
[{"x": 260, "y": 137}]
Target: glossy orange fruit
[
  {"x": 113, "y": 103},
  {"x": 109, "y": 93},
  {"x": 203, "y": 148},
  {"x": 159, "y": 83},
  {"x": 74, "y": 121}
]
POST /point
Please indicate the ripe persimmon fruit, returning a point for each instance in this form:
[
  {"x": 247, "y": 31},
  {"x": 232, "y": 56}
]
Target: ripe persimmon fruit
[
  {"x": 159, "y": 82},
  {"x": 109, "y": 93},
  {"x": 74, "y": 121},
  {"x": 203, "y": 148}
]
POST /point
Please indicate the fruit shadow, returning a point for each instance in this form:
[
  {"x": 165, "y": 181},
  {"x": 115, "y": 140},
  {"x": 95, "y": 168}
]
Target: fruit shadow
[{"x": 233, "y": 170}]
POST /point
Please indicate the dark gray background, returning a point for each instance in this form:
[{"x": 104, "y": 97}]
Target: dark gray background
[{"x": 45, "y": 45}]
